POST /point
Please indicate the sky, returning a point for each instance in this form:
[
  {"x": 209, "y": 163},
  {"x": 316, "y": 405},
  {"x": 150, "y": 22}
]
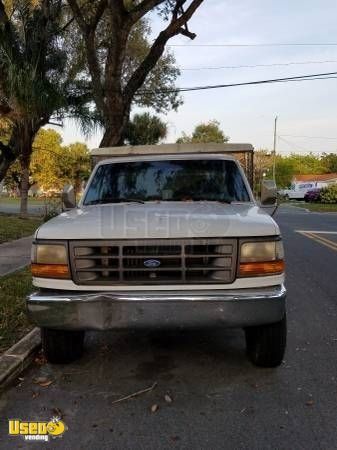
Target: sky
[{"x": 307, "y": 111}]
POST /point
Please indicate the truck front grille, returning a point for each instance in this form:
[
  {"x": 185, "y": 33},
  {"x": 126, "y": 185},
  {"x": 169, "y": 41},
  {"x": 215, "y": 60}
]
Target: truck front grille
[{"x": 154, "y": 261}]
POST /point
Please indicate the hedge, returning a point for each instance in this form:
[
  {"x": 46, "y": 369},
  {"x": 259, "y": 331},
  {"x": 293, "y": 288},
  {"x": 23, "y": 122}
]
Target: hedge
[{"x": 329, "y": 194}]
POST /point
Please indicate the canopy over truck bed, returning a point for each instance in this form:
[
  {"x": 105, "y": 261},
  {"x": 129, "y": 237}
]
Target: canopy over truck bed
[{"x": 244, "y": 153}]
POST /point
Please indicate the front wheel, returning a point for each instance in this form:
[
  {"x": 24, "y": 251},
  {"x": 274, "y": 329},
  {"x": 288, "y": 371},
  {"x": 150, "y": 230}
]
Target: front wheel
[
  {"x": 62, "y": 346},
  {"x": 266, "y": 344}
]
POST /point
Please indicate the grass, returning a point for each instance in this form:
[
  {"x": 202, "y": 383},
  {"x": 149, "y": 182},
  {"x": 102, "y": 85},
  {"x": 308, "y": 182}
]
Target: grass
[
  {"x": 13, "y": 227},
  {"x": 14, "y": 323},
  {"x": 317, "y": 207}
]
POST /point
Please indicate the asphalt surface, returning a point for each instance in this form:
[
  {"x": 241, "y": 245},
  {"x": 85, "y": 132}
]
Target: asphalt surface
[
  {"x": 220, "y": 401},
  {"x": 14, "y": 208},
  {"x": 15, "y": 255}
]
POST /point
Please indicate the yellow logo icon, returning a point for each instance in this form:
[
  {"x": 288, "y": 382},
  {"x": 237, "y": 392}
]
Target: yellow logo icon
[{"x": 38, "y": 430}]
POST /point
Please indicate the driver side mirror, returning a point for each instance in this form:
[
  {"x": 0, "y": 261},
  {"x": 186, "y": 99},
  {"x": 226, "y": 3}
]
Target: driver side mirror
[{"x": 68, "y": 197}]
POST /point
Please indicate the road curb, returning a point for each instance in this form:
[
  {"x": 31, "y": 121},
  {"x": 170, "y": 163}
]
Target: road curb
[{"x": 18, "y": 357}]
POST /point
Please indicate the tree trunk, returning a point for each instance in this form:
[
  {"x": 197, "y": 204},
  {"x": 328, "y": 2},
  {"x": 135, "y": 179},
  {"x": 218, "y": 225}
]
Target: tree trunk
[
  {"x": 6, "y": 159},
  {"x": 24, "y": 188},
  {"x": 25, "y": 137},
  {"x": 112, "y": 136},
  {"x": 116, "y": 123},
  {"x": 5, "y": 164}
]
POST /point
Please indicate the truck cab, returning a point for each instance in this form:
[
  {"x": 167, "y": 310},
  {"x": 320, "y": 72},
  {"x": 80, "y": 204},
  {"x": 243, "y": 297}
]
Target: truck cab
[{"x": 163, "y": 237}]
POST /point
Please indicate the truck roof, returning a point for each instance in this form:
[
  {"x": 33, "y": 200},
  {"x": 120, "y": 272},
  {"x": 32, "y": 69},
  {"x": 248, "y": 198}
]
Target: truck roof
[
  {"x": 244, "y": 153},
  {"x": 161, "y": 157},
  {"x": 169, "y": 149}
]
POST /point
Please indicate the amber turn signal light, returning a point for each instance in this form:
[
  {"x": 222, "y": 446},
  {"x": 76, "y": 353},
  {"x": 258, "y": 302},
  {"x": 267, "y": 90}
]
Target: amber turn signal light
[
  {"x": 253, "y": 269},
  {"x": 50, "y": 271}
]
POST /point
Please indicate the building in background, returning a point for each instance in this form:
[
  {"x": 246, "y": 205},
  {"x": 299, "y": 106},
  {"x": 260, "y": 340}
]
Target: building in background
[{"x": 317, "y": 180}]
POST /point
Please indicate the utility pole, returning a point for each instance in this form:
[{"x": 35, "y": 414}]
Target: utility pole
[{"x": 274, "y": 146}]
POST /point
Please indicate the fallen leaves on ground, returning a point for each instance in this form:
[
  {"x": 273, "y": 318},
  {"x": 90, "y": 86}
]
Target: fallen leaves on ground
[
  {"x": 168, "y": 398},
  {"x": 40, "y": 359},
  {"x": 43, "y": 381},
  {"x": 57, "y": 412},
  {"x": 154, "y": 408}
]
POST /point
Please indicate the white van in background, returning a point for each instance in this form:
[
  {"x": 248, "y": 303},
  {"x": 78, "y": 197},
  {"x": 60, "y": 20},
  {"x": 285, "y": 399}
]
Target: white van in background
[{"x": 297, "y": 191}]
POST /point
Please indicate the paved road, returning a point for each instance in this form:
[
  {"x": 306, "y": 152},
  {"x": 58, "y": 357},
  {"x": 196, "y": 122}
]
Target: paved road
[
  {"x": 220, "y": 401},
  {"x": 14, "y": 207},
  {"x": 15, "y": 255}
]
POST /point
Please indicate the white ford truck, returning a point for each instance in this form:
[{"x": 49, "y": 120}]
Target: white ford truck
[{"x": 165, "y": 236}]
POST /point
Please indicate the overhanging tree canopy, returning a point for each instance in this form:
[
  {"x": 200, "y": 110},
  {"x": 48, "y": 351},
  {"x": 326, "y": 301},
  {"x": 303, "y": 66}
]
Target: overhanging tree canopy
[
  {"x": 112, "y": 92},
  {"x": 37, "y": 77}
]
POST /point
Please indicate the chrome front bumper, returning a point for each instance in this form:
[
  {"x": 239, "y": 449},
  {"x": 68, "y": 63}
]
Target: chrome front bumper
[{"x": 71, "y": 310}]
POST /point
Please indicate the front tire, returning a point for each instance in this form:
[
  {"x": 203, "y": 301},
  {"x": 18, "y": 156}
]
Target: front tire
[
  {"x": 266, "y": 344},
  {"x": 62, "y": 346}
]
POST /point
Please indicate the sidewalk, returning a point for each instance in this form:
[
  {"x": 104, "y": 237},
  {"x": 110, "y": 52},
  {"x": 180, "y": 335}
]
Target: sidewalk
[{"x": 15, "y": 255}]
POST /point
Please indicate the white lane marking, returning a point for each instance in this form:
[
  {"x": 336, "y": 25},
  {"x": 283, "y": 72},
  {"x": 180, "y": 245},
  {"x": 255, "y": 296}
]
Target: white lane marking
[{"x": 316, "y": 231}]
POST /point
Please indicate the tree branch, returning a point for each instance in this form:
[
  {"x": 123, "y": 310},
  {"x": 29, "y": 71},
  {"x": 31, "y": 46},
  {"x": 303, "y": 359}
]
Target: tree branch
[
  {"x": 98, "y": 14},
  {"x": 88, "y": 28},
  {"x": 142, "y": 9},
  {"x": 187, "y": 33},
  {"x": 175, "y": 27},
  {"x": 5, "y": 109},
  {"x": 177, "y": 9},
  {"x": 7, "y": 35},
  {"x": 76, "y": 9},
  {"x": 3, "y": 16}
]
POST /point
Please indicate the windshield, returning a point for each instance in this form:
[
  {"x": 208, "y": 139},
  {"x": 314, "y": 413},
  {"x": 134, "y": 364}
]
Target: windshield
[{"x": 173, "y": 180}]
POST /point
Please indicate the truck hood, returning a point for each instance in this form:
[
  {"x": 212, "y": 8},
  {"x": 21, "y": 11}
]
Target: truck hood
[{"x": 160, "y": 220}]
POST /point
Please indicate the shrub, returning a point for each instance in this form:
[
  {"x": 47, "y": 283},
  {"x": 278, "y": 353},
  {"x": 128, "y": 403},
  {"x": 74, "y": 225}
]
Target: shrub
[
  {"x": 52, "y": 208},
  {"x": 329, "y": 194}
]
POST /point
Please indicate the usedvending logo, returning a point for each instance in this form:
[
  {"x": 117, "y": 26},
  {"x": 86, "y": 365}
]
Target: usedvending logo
[{"x": 37, "y": 430}]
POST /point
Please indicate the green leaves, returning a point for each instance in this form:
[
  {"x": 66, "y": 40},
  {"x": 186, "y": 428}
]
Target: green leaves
[
  {"x": 205, "y": 133},
  {"x": 145, "y": 129},
  {"x": 54, "y": 165},
  {"x": 329, "y": 194},
  {"x": 161, "y": 78},
  {"x": 295, "y": 164},
  {"x": 32, "y": 59},
  {"x": 39, "y": 77}
]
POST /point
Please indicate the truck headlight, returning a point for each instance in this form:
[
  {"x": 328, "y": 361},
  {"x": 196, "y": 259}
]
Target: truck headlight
[
  {"x": 50, "y": 261},
  {"x": 261, "y": 258}
]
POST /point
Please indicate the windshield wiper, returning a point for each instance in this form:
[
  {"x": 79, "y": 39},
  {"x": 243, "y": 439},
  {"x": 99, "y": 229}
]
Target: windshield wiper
[
  {"x": 132, "y": 200},
  {"x": 114, "y": 200},
  {"x": 227, "y": 202}
]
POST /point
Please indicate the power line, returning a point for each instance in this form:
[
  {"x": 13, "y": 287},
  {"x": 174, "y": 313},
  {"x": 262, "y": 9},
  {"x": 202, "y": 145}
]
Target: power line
[
  {"x": 292, "y": 145},
  {"x": 312, "y": 77},
  {"x": 299, "y": 147},
  {"x": 309, "y": 137},
  {"x": 259, "y": 65},
  {"x": 301, "y": 44}
]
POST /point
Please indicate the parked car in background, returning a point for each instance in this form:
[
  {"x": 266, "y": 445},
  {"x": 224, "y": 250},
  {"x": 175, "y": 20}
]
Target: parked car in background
[{"x": 312, "y": 195}]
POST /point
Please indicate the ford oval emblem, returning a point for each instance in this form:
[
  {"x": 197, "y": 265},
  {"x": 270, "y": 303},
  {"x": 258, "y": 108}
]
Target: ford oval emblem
[{"x": 152, "y": 263}]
